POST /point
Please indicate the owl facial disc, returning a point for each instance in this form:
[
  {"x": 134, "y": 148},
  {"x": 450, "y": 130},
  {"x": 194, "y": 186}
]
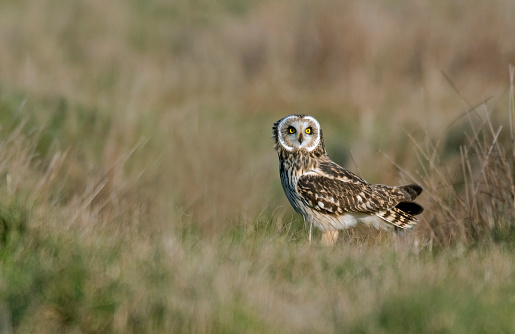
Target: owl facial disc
[{"x": 300, "y": 125}]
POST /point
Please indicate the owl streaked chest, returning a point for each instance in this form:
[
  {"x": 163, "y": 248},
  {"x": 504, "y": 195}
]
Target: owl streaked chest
[{"x": 290, "y": 170}]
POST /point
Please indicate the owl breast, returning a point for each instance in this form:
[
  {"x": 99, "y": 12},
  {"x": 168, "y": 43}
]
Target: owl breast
[{"x": 289, "y": 179}]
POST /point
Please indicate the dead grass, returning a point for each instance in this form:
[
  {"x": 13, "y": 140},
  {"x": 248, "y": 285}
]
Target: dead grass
[
  {"x": 470, "y": 196},
  {"x": 139, "y": 187}
]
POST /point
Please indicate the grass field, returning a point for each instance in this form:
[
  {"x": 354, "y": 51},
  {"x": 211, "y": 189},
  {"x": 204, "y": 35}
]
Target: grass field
[{"x": 139, "y": 188}]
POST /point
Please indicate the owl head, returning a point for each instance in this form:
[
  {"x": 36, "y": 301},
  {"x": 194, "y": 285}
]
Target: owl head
[{"x": 298, "y": 133}]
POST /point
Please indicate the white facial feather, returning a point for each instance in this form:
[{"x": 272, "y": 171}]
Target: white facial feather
[
  {"x": 317, "y": 136},
  {"x": 280, "y": 134},
  {"x": 303, "y": 123}
]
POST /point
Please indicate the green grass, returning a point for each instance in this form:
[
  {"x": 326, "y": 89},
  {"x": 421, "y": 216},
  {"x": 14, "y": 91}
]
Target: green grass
[
  {"x": 139, "y": 189},
  {"x": 257, "y": 283}
]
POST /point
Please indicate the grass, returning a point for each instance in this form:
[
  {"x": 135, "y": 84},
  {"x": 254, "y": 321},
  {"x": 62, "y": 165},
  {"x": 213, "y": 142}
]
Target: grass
[{"x": 139, "y": 189}]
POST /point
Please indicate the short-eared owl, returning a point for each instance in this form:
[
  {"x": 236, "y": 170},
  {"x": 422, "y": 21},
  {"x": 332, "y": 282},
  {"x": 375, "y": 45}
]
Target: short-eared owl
[{"x": 329, "y": 196}]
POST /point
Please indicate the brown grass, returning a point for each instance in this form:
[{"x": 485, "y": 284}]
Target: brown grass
[{"x": 139, "y": 187}]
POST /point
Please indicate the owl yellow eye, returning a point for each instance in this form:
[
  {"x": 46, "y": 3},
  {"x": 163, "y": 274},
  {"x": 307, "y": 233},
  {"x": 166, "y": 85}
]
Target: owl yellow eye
[
  {"x": 308, "y": 131},
  {"x": 291, "y": 129}
]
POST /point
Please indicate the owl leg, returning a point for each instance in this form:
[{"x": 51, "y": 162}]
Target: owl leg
[
  {"x": 309, "y": 221},
  {"x": 329, "y": 237}
]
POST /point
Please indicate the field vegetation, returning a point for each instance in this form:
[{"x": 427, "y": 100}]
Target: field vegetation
[{"x": 139, "y": 189}]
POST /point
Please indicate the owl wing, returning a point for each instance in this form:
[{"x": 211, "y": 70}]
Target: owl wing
[{"x": 334, "y": 190}]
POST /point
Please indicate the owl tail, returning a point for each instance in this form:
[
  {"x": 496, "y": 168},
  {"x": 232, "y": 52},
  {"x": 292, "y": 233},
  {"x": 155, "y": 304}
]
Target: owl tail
[
  {"x": 399, "y": 218},
  {"x": 411, "y": 208},
  {"x": 402, "y": 216},
  {"x": 411, "y": 191}
]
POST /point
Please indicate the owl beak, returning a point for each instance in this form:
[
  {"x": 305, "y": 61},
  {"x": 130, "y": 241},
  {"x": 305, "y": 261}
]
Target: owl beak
[{"x": 300, "y": 139}]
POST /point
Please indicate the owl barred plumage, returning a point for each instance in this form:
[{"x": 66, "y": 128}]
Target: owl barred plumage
[{"x": 329, "y": 196}]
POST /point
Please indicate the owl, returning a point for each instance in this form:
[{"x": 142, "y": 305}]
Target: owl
[{"x": 327, "y": 195}]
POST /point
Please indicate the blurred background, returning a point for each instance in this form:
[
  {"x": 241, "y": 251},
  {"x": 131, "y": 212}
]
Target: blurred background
[
  {"x": 124, "y": 122},
  {"x": 201, "y": 82}
]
